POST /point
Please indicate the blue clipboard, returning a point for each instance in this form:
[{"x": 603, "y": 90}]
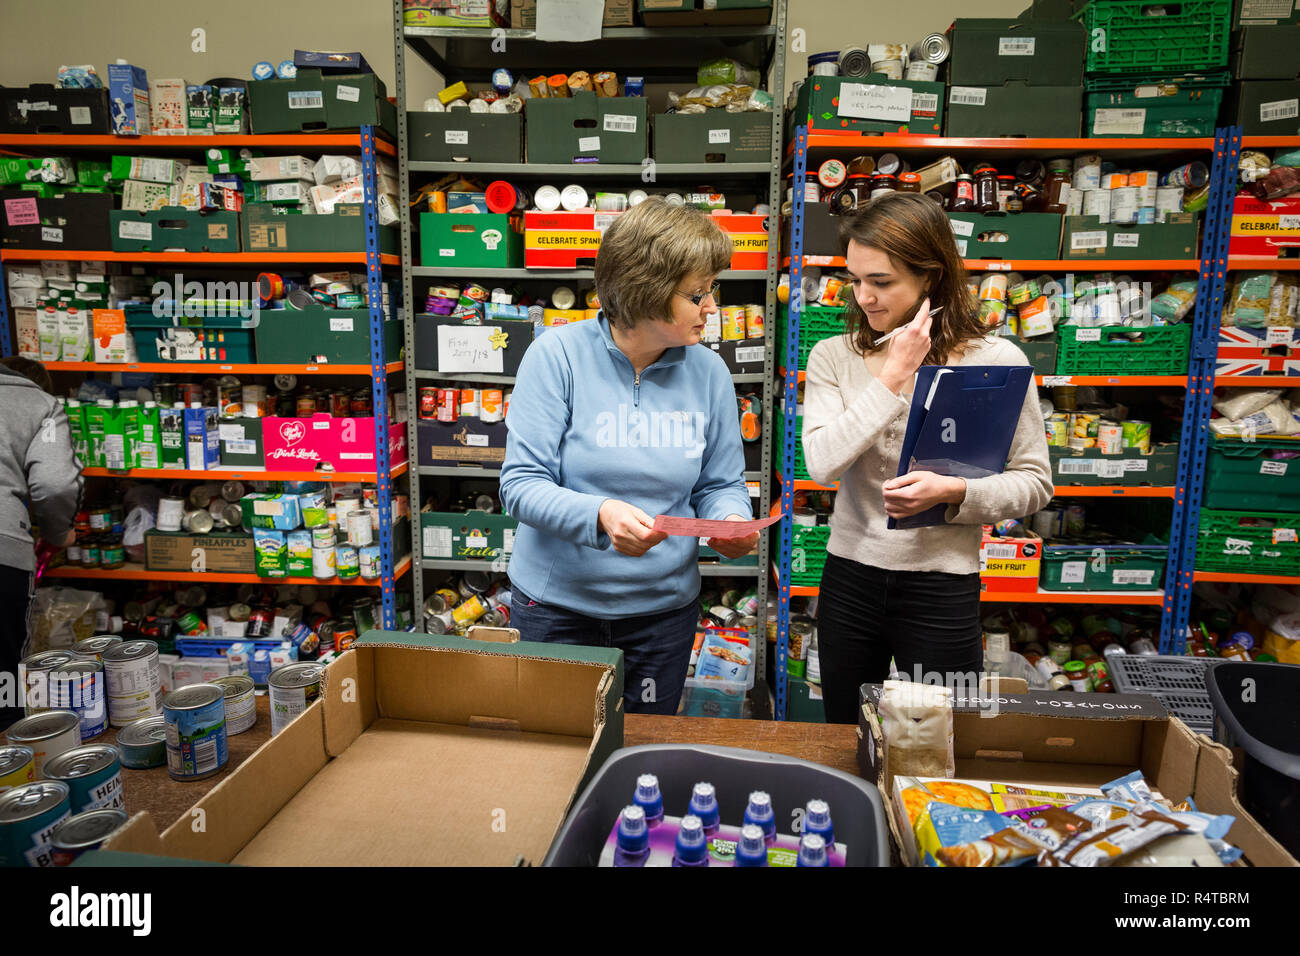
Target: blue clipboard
[{"x": 962, "y": 421}]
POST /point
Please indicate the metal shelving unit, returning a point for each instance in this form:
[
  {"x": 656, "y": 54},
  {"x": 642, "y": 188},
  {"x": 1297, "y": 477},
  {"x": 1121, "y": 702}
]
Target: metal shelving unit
[
  {"x": 1175, "y": 597},
  {"x": 370, "y": 146},
  {"x": 660, "y": 55}
]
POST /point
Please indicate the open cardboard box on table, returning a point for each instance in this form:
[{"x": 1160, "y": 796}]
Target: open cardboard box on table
[
  {"x": 426, "y": 741},
  {"x": 1057, "y": 741}
]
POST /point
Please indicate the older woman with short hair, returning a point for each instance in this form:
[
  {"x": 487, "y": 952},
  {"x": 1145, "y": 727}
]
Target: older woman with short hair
[{"x": 616, "y": 420}]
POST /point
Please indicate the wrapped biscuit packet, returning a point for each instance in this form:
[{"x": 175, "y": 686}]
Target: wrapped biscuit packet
[
  {"x": 916, "y": 720},
  {"x": 1004, "y": 848},
  {"x": 1050, "y": 828},
  {"x": 1104, "y": 846}
]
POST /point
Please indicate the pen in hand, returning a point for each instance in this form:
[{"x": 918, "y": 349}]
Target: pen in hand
[{"x": 889, "y": 335}]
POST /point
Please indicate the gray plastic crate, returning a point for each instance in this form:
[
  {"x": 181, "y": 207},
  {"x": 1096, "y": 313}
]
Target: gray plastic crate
[{"x": 1178, "y": 682}]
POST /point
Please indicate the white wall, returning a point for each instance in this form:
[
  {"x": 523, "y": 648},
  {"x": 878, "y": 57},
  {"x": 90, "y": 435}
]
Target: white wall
[{"x": 36, "y": 39}]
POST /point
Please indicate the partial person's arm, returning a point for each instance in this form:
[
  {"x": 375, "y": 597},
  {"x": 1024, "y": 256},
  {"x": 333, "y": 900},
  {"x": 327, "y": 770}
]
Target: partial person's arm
[
  {"x": 837, "y": 432},
  {"x": 540, "y": 411},
  {"x": 54, "y": 480},
  {"x": 1024, "y": 487},
  {"x": 720, "y": 490}
]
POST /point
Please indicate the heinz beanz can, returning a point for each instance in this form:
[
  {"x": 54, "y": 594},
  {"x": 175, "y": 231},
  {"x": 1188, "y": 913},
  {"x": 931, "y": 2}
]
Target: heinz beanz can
[
  {"x": 241, "y": 706},
  {"x": 293, "y": 688},
  {"x": 93, "y": 775},
  {"x": 134, "y": 682},
  {"x": 79, "y": 686},
  {"x": 17, "y": 767},
  {"x": 48, "y": 734},
  {"x": 196, "y": 731},
  {"x": 82, "y": 833},
  {"x": 35, "y": 670},
  {"x": 28, "y": 817}
]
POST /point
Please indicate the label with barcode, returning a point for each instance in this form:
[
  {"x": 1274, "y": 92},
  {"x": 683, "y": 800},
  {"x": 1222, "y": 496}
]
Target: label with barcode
[
  {"x": 205, "y": 755},
  {"x": 1283, "y": 534},
  {"x": 619, "y": 123},
  {"x": 589, "y": 144},
  {"x": 961, "y": 228},
  {"x": 437, "y": 542},
  {"x": 80, "y": 115},
  {"x": 1272, "y": 467},
  {"x": 1237, "y": 546},
  {"x": 507, "y": 540},
  {"x": 967, "y": 96},
  {"x": 349, "y": 94},
  {"x": 1135, "y": 464},
  {"x": 1073, "y": 572},
  {"x": 1082, "y": 466},
  {"x": 51, "y": 234},
  {"x": 1015, "y": 46},
  {"x": 1119, "y": 122},
  {"x": 1288, "y": 222},
  {"x": 456, "y": 137},
  {"x": 719, "y": 136},
  {"x": 925, "y": 104},
  {"x": 1133, "y": 577},
  {"x": 1126, "y": 240},
  {"x": 1110, "y": 469},
  {"x": 1051, "y": 380},
  {"x": 241, "y": 447},
  {"x": 1000, "y": 550},
  {"x": 131, "y": 229},
  {"x": 306, "y": 100},
  {"x": 1087, "y": 335},
  {"x": 961, "y": 248},
  {"x": 342, "y": 323},
  {"x": 753, "y": 488},
  {"x": 1279, "y": 110},
  {"x": 1088, "y": 240},
  {"x": 747, "y": 354},
  {"x": 1279, "y": 335}
]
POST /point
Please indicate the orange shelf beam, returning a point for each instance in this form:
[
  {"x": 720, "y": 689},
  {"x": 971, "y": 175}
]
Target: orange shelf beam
[
  {"x": 1155, "y": 598},
  {"x": 1230, "y": 577},
  {"x": 203, "y": 258},
  {"x": 186, "y": 367},
  {"x": 302, "y": 140},
  {"x": 134, "y": 572},
  {"x": 1250, "y": 265},
  {"x": 1127, "y": 380},
  {"x": 802, "y": 485},
  {"x": 1270, "y": 142},
  {"x": 1113, "y": 491},
  {"x": 240, "y": 474},
  {"x": 1045, "y": 265},
  {"x": 1256, "y": 381},
  {"x": 848, "y": 139}
]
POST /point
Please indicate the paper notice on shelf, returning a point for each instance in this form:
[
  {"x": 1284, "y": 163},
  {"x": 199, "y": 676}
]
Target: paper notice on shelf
[
  {"x": 1135, "y": 464},
  {"x": 747, "y": 355},
  {"x": 1054, "y": 380},
  {"x": 619, "y": 123},
  {"x": 1279, "y": 335},
  {"x": 456, "y": 137},
  {"x": 231, "y": 432},
  {"x": 890, "y": 104},
  {"x": 1074, "y": 572},
  {"x": 241, "y": 447},
  {"x": 80, "y": 115},
  {"x": 22, "y": 212},
  {"x": 1272, "y": 467},
  {"x": 1127, "y": 240},
  {"x": 719, "y": 136},
  {"x": 961, "y": 227},
  {"x": 130, "y": 229},
  {"x": 468, "y": 348},
  {"x": 588, "y": 144},
  {"x": 569, "y": 21},
  {"x": 702, "y": 528},
  {"x": 437, "y": 542},
  {"x": 1288, "y": 222},
  {"x": 1110, "y": 469},
  {"x": 342, "y": 324},
  {"x": 967, "y": 96},
  {"x": 1119, "y": 122},
  {"x": 1016, "y": 46},
  {"x": 1279, "y": 110},
  {"x": 349, "y": 94},
  {"x": 1087, "y": 335}
]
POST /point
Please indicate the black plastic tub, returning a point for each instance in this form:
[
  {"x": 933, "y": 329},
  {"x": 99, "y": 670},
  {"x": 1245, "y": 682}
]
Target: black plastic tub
[
  {"x": 1255, "y": 708},
  {"x": 857, "y": 811}
]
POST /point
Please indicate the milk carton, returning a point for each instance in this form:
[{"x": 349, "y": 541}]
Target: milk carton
[{"x": 128, "y": 99}]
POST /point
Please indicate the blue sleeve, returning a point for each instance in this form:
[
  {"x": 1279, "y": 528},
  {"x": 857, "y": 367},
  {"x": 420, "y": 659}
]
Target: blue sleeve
[
  {"x": 720, "y": 490},
  {"x": 540, "y": 410}
]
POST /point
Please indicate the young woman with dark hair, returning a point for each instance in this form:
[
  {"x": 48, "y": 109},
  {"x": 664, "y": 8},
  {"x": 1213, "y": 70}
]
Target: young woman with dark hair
[{"x": 910, "y": 595}]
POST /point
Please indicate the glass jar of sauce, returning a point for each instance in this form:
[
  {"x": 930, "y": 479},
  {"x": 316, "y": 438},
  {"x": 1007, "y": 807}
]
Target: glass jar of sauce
[
  {"x": 963, "y": 196},
  {"x": 909, "y": 183},
  {"x": 1056, "y": 188},
  {"x": 882, "y": 183},
  {"x": 986, "y": 189}
]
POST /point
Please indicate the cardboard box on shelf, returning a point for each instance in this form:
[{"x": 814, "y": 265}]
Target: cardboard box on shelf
[
  {"x": 44, "y": 108},
  {"x": 1247, "y": 13},
  {"x": 1014, "y": 109},
  {"x": 481, "y": 14},
  {"x": 312, "y": 101},
  {"x": 241, "y": 441},
  {"x": 219, "y": 553},
  {"x": 1266, "y": 53},
  {"x": 467, "y": 536},
  {"x": 469, "y": 441},
  {"x": 300, "y": 444},
  {"x": 1038, "y": 52},
  {"x": 464, "y": 729},
  {"x": 1057, "y": 741},
  {"x": 1028, "y": 235},
  {"x": 618, "y": 13},
  {"x": 748, "y": 234},
  {"x": 320, "y": 335},
  {"x": 470, "y": 240},
  {"x": 723, "y": 13},
  {"x": 173, "y": 227},
  {"x": 714, "y": 136},
  {"x": 1087, "y": 238},
  {"x": 446, "y": 344},
  {"x": 344, "y": 230},
  {"x": 871, "y": 104},
  {"x": 563, "y": 240},
  {"x": 1010, "y": 564},
  {"x": 70, "y": 221},
  {"x": 561, "y": 130},
  {"x": 1267, "y": 107},
  {"x": 461, "y": 135},
  {"x": 1265, "y": 229}
]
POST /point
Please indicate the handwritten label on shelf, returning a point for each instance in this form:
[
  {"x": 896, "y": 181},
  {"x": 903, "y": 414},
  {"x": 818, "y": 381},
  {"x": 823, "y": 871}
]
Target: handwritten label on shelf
[
  {"x": 998, "y": 266},
  {"x": 1111, "y": 469},
  {"x": 1126, "y": 240},
  {"x": 1288, "y": 222},
  {"x": 1281, "y": 535},
  {"x": 456, "y": 137},
  {"x": 1087, "y": 335},
  {"x": 342, "y": 323},
  {"x": 477, "y": 441},
  {"x": 51, "y": 234},
  {"x": 1279, "y": 335},
  {"x": 1239, "y": 545},
  {"x": 1052, "y": 380},
  {"x": 349, "y": 94},
  {"x": 468, "y": 348},
  {"x": 1272, "y": 467},
  {"x": 588, "y": 144},
  {"x": 1135, "y": 464},
  {"x": 128, "y": 229},
  {"x": 80, "y": 115},
  {"x": 447, "y": 253},
  {"x": 961, "y": 227},
  {"x": 1073, "y": 572},
  {"x": 719, "y": 136},
  {"x": 889, "y": 104}
]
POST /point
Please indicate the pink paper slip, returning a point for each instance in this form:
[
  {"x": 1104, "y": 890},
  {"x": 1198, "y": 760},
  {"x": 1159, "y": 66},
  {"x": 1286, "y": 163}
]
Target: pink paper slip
[{"x": 701, "y": 528}]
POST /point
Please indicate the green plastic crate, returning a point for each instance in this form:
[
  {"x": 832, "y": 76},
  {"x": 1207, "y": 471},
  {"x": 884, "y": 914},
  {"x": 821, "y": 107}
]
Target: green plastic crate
[
  {"x": 1123, "y": 37},
  {"x": 808, "y": 554},
  {"x": 208, "y": 338},
  {"x": 1103, "y": 567},
  {"x": 1157, "y": 350},
  {"x": 816, "y": 323},
  {"x": 1132, "y": 105},
  {"x": 1243, "y": 474},
  {"x": 1248, "y": 542},
  {"x": 800, "y": 469}
]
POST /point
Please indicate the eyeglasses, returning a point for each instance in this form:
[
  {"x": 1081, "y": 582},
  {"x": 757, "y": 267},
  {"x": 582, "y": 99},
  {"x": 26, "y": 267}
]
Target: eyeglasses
[{"x": 701, "y": 296}]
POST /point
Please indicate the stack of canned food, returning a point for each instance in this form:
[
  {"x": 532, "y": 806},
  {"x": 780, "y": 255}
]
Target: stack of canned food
[
  {"x": 488, "y": 405},
  {"x": 476, "y": 598},
  {"x": 1080, "y": 431}
]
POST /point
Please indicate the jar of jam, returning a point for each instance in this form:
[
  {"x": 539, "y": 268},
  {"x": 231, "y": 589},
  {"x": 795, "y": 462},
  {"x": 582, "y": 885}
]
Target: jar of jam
[
  {"x": 882, "y": 183},
  {"x": 862, "y": 166},
  {"x": 1006, "y": 188},
  {"x": 1056, "y": 188},
  {"x": 1029, "y": 196},
  {"x": 860, "y": 185},
  {"x": 843, "y": 200},
  {"x": 812, "y": 189},
  {"x": 963, "y": 196},
  {"x": 986, "y": 188},
  {"x": 909, "y": 182},
  {"x": 1031, "y": 171}
]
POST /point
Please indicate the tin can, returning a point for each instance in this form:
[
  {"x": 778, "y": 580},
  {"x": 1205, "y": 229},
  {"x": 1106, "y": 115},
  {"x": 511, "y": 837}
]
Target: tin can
[
  {"x": 1110, "y": 438},
  {"x": 1084, "y": 425},
  {"x": 79, "y": 686},
  {"x": 82, "y": 833},
  {"x": 134, "y": 681},
  {"x": 241, "y": 705},
  {"x": 438, "y": 623},
  {"x": 1096, "y": 202},
  {"x": 370, "y": 560},
  {"x": 259, "y": 624},
  {"x": 1075, "y": 520},
  {"x": 344, "y": 637},
  {"x": 323, "y": 562},
  {"x": 491, "y": 405},
  {"x": 324, "y": 537},
  {"x": 293, "y": 688},
  {"x": 195, "y": 717},
  {"x": 1193, "y": 175},
  {"x": 1058, "y": 432},
  {"x": 1049, "y": 523},
  {"x": 17, "y": 766},
  {"x": 922, "y": 72},
  {"x": 347, "y": 563},
  {"x": 1137, "y": 435},
  {"x": 993, "y": 286},
  {"x": 890, "y": 68},
  {"x": 753, "y": 321},
  {"x": 733, "y": 322},
  {"x": 143, "y": 743},
  {"x": 428, "y": 402},
  {"x": 451, "y": 597},
  {"x": 48, "y": 734},
  {"x": 1124, "y": 205},
  {"x": 724, "y": 616},
  {"x": 1169, "y": 199},
  {"x": 469, "y": 611},
  {"x": 93, "y": 775},
  {"x": 28, "y": 817},
  {"x": 1087, "y": 173},
  {"x": 469, "y": 404},
  {"x": 198, "y": 521},
  {"x": 35, "y": 672},
  {"x": 448, "y": 404},
  {"x": 360, "y": 533}
]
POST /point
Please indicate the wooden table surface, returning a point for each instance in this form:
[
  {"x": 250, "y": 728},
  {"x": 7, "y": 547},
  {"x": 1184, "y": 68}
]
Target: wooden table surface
[{"x": 834, "y": 745}]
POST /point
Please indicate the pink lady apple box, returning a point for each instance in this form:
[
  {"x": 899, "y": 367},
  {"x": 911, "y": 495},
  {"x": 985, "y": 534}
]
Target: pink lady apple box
[{"x": 300, "y": 444}]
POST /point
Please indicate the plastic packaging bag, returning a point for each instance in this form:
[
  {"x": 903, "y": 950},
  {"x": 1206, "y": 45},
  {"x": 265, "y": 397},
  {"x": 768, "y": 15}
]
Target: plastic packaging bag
[
  {"x": 138, "y": 522},
  {"x": 60, "y": 617},
  {"x": 918, "y": 729},
  {"x": 1240, "y": 402},
  {"x": 1176, "y": 302},
  {"x": 713, "y": 72},
  {"x": 1249, "y": 301}
]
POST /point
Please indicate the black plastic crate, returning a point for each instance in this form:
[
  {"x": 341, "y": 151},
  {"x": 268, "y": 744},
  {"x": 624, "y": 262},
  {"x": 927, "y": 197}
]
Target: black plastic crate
[{"x": 1178, "y": 682}]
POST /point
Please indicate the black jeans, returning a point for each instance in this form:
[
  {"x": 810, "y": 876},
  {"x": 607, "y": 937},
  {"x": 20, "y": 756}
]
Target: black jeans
[
  {"x": 15, "y": 598},
  {"x": 927, "y": 621}
]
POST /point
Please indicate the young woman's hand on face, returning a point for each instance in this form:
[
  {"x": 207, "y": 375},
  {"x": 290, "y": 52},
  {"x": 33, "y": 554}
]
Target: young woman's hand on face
[{"x": 907, "y": 350}]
